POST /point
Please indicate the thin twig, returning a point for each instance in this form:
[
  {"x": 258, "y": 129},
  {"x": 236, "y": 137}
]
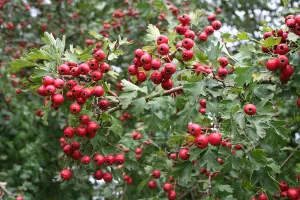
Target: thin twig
[
  {"x": 289, "y": 157},
  {"x": 5, "y": 190}
]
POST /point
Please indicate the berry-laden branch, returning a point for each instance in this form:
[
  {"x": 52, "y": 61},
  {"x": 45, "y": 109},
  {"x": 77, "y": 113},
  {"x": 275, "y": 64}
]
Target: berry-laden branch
[{"x": 289, "y": 157}]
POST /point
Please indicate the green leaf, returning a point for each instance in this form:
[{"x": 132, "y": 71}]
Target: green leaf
[
  {"x": 152, "y": 33},
  {"x": 128, "y": 86},
  {"x": 123, "y": 41},
  {"x": 46, "y": 110},
  {"x": 293, "y": 37},
  {"x": 243, "y": 36},
  {"x": 140, "y": 104},
  {"x": 285, "y": 2},
  {"x": 142, "y": 185},
  {"x": 258, "y": 157},
  {"x": 244, "y": 75},
  {"x": 18, "y": 64},
  {"x": 225, "y": 188},
  {"x": 38, "y": 54},
  {"x": 96, "y": 35},
  {"x": 116, "y": 126},
  {"x": 126, "y": 98},
  {"x": 271, "y": 41}
]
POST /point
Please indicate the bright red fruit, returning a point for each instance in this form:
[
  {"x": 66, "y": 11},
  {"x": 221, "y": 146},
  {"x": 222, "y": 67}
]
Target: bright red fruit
[
  {"x": 215, "y": 139},
  {"x": 98, "y": 91},
  {"x": 69, "y": 132},
  {"x": 163, "y": 49},
  {"x": 216, "y": 24},
  {"x": 167, "y": 84},
  {"x": 75, "y": 108},
  {"x": 65, "y": 174},
  {"x": 262, "y": 196},
  {"x": 152, "y": 184},
  {"x": 293, "y": 193},
  {"x": 99, "y": 55},
  {"x": 223, "y": 61},
  {"x": 162, "y": 39},
  {"x": 284, "y": 186},
  {"x": 201, "y": 141},
  {"x": 167, "y": 187},
  {"x": 187, "y": 43},
  {"x": 156, "y": 174},
  {"x": 282, "y": 61},
  {"x": 156, "y": 77},
  {"x": 57, "y": 98},
  {"x": 203, "y": 36},
  {"x": 119, "y": 159},
  {"x": 184, "y": 19},
  {"x": 250, "y": 109},
  {"x": 99, "y": 159},
  {"x": 85, "y": 160},
  {"x": 172, "y": 195},
  {"x": 272, "y": 64},
  {"x": 103, "y": 104},
  {"x": 184, "y": 154},
  {"x": 194, "y": 129},
  {"x": 187, "y": 55},
  {"x": 202, "y": 103},
  {"x": 98, "y": 174}
]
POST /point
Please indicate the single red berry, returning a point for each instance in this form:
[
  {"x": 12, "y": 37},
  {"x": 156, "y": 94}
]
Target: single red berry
[
  {"x": 109, "y": 159},
  {"x": 221, "y": 161},
  {"x": 86, "y": 93},
  {"x": 190, "y": 34},
  {"x": 85, "y": 160},
  {"x": 50, "y": 90},
  {"x": 212, "y": 17},
  {"x": 215, "y": 139},
  {"x": 75, "y": 145},
  {"x": 184, "y": 19},
  {"x": 141, "y": 76},
  {"x": 104, "y": 67},
  {"x": 68, "y": 150},
  {"x": 216, "y": 24},
  {"x": 290, "y": 22},
  {"x": 272, "y": 64},
  {"x": 138, "y": 150},
  {"x": 63, "y": 69},
  {"x": 98, "y": 174},
  {"x": 42, "y": 91},
  {"x": 181, "y": 29},
  {"x": 250, "y": 109},
  {"x": 187, "y": 43},
  {"x": 172, "y": 195},
  {"x": 146, "y": 58},
  {"x": 57, "y": 98},
  {"x": 202, "y": 110},
  {"x": 223, "y": 61},
  {"x": 286, "y": 71},
  {"x": 84, "y": 69},
  {"x": 156, "y": 174},
  {"x": 167, "y": 187},
  {"x": 99, "y": 55},
  {"x": 103, "y": 104},
  {"x": 80, "y": 131},
  {"x": 84, "y": 119},
  {"x": 65, "y": 174},
  {"x": 119, "y": 159},
  {"x": 93, "y": 64},
  {"x": 92, "y": 128},
  {"x": 201, "y": 141},
  {"x": 222, "y": 72},
  {"x": 155, "y": 64},
  {"x": 152, "y": 184},
  {"x": 163, "y": 49},
  {"x": 293, "y": 193},
  {"x": 138, "y": 53},
  {"x": 194, "y": 129},
  {"x": 282, "y": 49},
  {"x": 262, "y": 196},
  {"x": 238, "y": 147},
  {"x": 187, "y": 55},
  {"x": 184, "y": 154},
  {"x": 69, "y": 132},
  {"x": 172, "y": 156},
  {"x": 167, "y": 84},
  {"x": 107, "y": 177},
  {"x": 98, "y": 91},
  {"x": 162, "y": 39},
  {"x": 284, "y": 186},
  {"x": 75, "y": 108},
  {"x": 58, "y": 83},
  {"x": 77, "y": 91},
  {"x": 298, "y": 102},
  {"x": 209, "y": 30},
  {"x": 132, "y": 70},
  {"x": 70, "y": 84},
  {"x": 96, "y": 75},
  {"x": 156, "y": 77},
  {"x": 170, "y": 68},
  {"x": 202, "y": 103},
  {"x": 76, "y": 155},
  {"x": 203, "y": 36},
  {"x": 147, "y": 67},
  {"x": 99, "y": 160}
]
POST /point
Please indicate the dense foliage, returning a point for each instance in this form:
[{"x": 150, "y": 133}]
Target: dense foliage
[{"x": 149, "y": 100}]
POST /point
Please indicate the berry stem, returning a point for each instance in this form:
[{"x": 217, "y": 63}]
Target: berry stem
[{"x": 289, "y": 157}]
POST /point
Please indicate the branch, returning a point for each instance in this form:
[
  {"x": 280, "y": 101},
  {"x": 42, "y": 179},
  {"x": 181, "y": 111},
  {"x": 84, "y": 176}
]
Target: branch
[
  {"x": 288, "y": 158},
  {"x": 5, "y": 190}
]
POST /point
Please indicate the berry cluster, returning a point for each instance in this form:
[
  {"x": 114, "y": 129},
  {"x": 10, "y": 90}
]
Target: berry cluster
[
  {"x": 209, "y": 30},
  {"x": 279, "y": 53},
  {"x": 287, "y": 192}
]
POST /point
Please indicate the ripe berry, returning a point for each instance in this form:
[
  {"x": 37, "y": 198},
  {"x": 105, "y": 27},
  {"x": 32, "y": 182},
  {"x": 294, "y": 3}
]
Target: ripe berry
[
  {"x": 98, "y": 91},
  {"x": 202, "y": 110},
  {"x": 194, "y": 129},
  {"x": 250, "y": 109},
  {"x": 107, "y": 177},
  {"x": 181, "y": 29},
  {"x": 163, "y": 49},
  {"x": 190, "y": 34},
  {"x": 70, "y": 84},
  {"x": 18, "y": 197},
  {"x": 84, "y": 68},
  {"x": 75, "y": 72},
  {"x": 50, "y": 90},
  {"x": 92, "y": 128},
  {"x": 57, "y": 99},
  {"x": 147, "y": 67},
  {"x": 76, "y": 155},
  {"x": 290, "y": 22},
  {"x": 284, "y": 186},
  {"x": 76, "y": 90},
  {"x": 293, "y": 193},
  {"x": 170, "y": 68},
  {"x": 155, "y": 64},
  {"x": 58, "y": 83},
  {"x": 162, "y": 39},
  {"x": 146, "y": 59},
  {"x": 138, "y": 53},
  {"x": 93, "y": 64},
  {"x": 99, "y": 160},
  {"x": 298, "y": 102},
  {"x": 187, "y": 43},
  {"x": 103, "y": 104},
  {"x": 201, "y": 141},
  {"x": 262, "y": 196},
  {"x": 67, "y": 150},
  {"x": 167, "y": 187},
  {"x": 272, "y": 64},
  {"x": 209, "y": 30},
  {"x": 96, "y": 75},
  {"x": 99, "y": 55},
  {"x": 80, "y": 100},
  {"x": 222, "y": 72},
  {"x": 215, "y": 139},
  {"x": 141, "y": 76},
  {"x": 172, "y": 195},
  {"x": 63, "y": 69},
  {"x": 75, "y": 108},
  {"x": 156, "y": 174},
  {"x": 203, "y": 36},
  {"x": 65, "y": 174},
  {"x": 223, "y": 61},
  {"x": 104, "y": 67},
  {"x": 80, "y": 131},
  {"x": 85, "y": 160},
  {"x": 173, "y": 156},
  {"x": 86, "y": 93},
  {"x": 211, "y": 17},
  {"x": 156, "y": 77},
  {"x": 187, "y": 55},
  {"x": 286, "y": 71},
  {"x": 202, "y": 102},
  {"x": 238, "y": 147},
  {"x": 184, "y": 154},
  {"x": 84, "y": 119},
  {"x": 42, "y": 91},
  {"x": 119, "y": 159},
  {"x": 69, "y": 132},
  {"x": 138, "y": 150},
  {"x": 109, "y": 160},
  {"x": 75, "y": 145},
  {"x": 282, "y": 49},
  {"x": 184, "y": 19},
  {"x": 167, "y": 84},
  {"x": 216, "y": 24},
  {"x": 132, "y": 70},
  {"x": 152, "y": 184},
  {"x": 221, "y": 161},
  {"x": 98, "y": 174}
]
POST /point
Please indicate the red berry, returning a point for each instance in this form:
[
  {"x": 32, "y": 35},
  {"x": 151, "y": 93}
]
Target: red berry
[
  {"x": 181, "y": 29},
  {"x": 173, "y": 156},
  {"x": 194, "y": 129},
  {"x": 187, "y": 55},
  {"x": 75, "y": 72},
  {"x": 209, "y": 30},
  {"x": 68, "y": 149},
  {"x": 77, "y": 91},
  {"x": 84, "y": 119},
  {"x": 69, "y": 132},
  {"x": 155, "y": 64},
  {"x": 163, "y": 49},
  {"x": 172, "y": 195},
  {"x": 184, "y": 154},
  {"x": 211, "y": 17},
  {"x": 96, "y": 75},
  {"x": 146, "y": 59},
  {"x": 57, "y": 99},
  {"x": 86, "y": 93},
  {"x": 156, "y": 174},
  {"x": 119, "y": 159},
  {"x": 286, "y": 71},
  {"x": 93, "y": 64},
  {"x": 138, "y": 53},
  {"x": 293, "y": 193},
  {"x": 250, "y": 109},
  {"x": 63, "y": 69},
  {"x": 162, "y": 39},
  {"x": 202, "y": 110},
  {"x": 282, "y": 49},
  {"x": 98, "y": 174},
  {"x": 156, "y": 77},
  {"x": 50, "y": 90},
  {"x": 167, "y": 84},
  {"x": 109, "y": 159},
  {"x": 203, "y": 103},
  {"x": 272, "y": 64},
  {"x": 284, "y": 186},
  {"x": 99, "y": 160},
  {"x": 238, "y": 147},
  {"x": 223, "y": 61},
  {"x": 58, "y": 83},
  {"x": 92, "y": 128},
  {"x": 85, "y": 160},
  {"x": 80, "y": 131},
  {"x": 262, "y": 196},
  {"x": 152, "y": 184},
  {"x": 222, "y": 72},
  {"x": 167, "y": 187},
  {"x": 75, "y": 145},
  {"x": 42, "y": 91},
  {"x": 184, "y": 19},
  {"x": 76, "y": 155},
  {"x": 103, "y": 104},
  {"x": 147, "y": 67},
  {"x": 65, "y": 174},
  {"x": 99, "y": 55},
  {"x": 104, "y": 67},
  {"x": 70, "y": 84},
  {"x": 187, "y": 43},
  {"x": 215, "y": 139},
  {"x": 98, "y": 91},
  {"x": 221, "y": 161},
  {"x": 132, "y": 70},
  {"x": 190, "y": 34},
  {"x": 75, "y": 108},
  {"x": 138, "y": 150},
  {"x": 201, "y": 141},
  {"x": 141, "y": 76},
  {"x": 107, "y": 177},
  {"x": 290, "y": 22},
  {"x": 216, "y": 24},
  {"x": 203, "y": 36}
]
